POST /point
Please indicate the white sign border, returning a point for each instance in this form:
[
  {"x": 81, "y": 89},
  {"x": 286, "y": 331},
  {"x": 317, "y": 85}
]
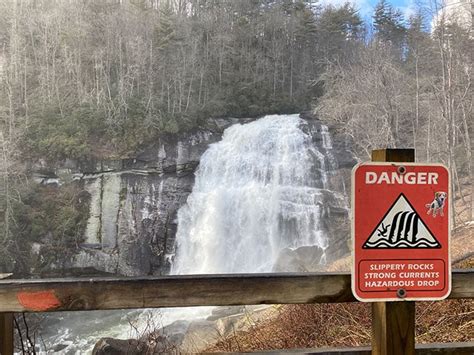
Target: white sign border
[{"x": 353, "y": 266}]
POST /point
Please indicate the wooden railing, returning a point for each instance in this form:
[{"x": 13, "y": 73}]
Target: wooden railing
[{"x": 80, "y": 294}]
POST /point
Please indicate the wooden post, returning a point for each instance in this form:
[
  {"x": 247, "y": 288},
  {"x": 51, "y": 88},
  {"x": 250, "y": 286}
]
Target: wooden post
[
  {"x": 393, "y": 323},
  {"x": 6, "y": 333},
  {"x": 394, "y": 155}
]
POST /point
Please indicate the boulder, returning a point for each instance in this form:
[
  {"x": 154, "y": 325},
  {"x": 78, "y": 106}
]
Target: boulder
[
  {"x": 303, "y": 259},
  {"x": 110, "y": 346}
]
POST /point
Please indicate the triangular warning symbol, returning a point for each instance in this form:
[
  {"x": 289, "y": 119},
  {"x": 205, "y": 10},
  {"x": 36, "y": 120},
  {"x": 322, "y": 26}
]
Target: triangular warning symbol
[{"x": 401, "y": 228}]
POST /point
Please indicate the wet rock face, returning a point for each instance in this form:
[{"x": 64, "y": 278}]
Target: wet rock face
[
  {"x": 134, "y": 202},
  {"x": 339, "y": 161}
]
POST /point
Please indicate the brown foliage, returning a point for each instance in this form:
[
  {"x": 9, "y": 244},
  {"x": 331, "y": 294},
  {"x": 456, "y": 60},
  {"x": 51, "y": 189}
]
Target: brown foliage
[
  {"x": 306, "y": 326},
  {"x": 348, "y": 325}
]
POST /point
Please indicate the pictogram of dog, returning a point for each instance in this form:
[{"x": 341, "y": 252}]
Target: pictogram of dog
[{"x": 438, "y": 204}]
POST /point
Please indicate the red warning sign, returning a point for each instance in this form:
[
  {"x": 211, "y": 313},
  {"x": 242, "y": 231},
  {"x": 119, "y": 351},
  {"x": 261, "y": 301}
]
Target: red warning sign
[{"x": 400, "y": 232}]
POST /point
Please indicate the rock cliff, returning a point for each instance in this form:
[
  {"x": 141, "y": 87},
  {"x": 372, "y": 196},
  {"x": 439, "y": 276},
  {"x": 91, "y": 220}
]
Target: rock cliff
[{"x": 134, "y": 202}]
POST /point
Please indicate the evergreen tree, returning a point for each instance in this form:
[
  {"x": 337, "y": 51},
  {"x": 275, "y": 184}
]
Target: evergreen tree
[
  {"x": 339, "y": 29},
  {"x": 389, "y": 25},
  {"x": 417, "y": 37},
  {"x": 165, "y": 32}
]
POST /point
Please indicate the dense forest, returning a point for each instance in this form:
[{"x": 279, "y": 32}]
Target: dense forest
[{"x": 98, "y": 79}]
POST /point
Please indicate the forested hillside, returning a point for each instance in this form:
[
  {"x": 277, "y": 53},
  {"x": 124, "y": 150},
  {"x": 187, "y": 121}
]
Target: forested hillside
[
  {"x": 407, "y": 87},
  {"x": 99, "y": 79}
]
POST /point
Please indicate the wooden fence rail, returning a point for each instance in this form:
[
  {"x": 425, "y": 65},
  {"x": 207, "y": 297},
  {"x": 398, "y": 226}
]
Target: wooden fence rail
[{"x": 79, "y": 294}]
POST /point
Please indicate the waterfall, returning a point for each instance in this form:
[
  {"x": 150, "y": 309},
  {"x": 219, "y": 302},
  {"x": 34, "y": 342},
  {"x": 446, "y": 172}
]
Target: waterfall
[
  {"x": 327, "y": 141},
  {"x": 256, "y": 192}
]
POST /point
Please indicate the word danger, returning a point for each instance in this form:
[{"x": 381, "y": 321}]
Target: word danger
[{"x": 419, "y": 178}]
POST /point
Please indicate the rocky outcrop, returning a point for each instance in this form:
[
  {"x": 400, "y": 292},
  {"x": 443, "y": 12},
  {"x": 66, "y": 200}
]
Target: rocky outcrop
[
  {"x": 196, "y": 336},
  {"x": 339, "y": 161},
  {"x": 110, "y": 346},
  {"x": 302, "y": 259},
  {"x": 134, "y": 202}
]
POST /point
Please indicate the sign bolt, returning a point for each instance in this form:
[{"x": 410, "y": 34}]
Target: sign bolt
[
  {"x": 402, "y": 170},
  {"x": 401, "y": 293}
]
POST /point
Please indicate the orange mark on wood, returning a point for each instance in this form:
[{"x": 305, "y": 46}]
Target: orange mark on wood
[{"x": 38, "y": 301}]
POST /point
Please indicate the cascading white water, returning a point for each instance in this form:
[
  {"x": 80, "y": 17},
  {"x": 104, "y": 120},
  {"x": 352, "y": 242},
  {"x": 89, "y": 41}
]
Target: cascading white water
[{"x": 257, "y": 191}]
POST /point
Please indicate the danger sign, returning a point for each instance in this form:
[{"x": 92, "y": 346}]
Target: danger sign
[{"x": 400, "y": 232}]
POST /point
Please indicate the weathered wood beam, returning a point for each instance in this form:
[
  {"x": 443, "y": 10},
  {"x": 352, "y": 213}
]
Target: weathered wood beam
[
  {"x": 393, "y": 328},
  {"x": 172, "y": 291},
  {"x": 393, "y": 323},
  {"x": 393, "y": 155},
  {"x": 6, "y": 333},
  {"x": 463, "y": 284},
  {"x": 420, "y": 349},
  {"x": 445, "y": 348},
  {"x": 76, "y": 294}
]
